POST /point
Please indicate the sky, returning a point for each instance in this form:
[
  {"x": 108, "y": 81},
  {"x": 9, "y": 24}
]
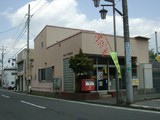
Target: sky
[{"x": 144, "y": 20}]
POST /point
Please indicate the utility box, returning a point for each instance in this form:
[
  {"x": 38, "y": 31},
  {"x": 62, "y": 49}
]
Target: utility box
[
  {"x": 87, "y": 85},
  {"x": 146, "y": 79}
]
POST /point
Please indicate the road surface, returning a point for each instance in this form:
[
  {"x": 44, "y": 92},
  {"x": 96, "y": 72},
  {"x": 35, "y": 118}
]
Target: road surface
[{"x": 16, "y": 106}]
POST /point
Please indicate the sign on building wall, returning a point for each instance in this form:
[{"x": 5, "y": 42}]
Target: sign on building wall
[
  {"x": 102, "y": 43},
  {"x": 135, "y": 82},
  {"x": 104, "y": 46}
]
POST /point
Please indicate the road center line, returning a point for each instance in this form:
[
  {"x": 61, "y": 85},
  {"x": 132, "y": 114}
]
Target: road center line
[
  {"x": 28, "y": 103},
  {"x": 5, "y": 96}
]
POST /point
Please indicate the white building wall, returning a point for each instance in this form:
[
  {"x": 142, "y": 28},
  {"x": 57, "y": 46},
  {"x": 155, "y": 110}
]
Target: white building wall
[{"x": 9, "y": 78}]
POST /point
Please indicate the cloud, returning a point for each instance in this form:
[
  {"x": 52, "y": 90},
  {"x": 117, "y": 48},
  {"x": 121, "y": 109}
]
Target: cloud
[
  {"x": 65, "y": 13},
  {"x": 141, "y": 26}
]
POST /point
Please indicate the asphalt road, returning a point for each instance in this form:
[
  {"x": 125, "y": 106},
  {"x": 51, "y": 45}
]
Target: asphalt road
[{"x": 15, "y": 106}]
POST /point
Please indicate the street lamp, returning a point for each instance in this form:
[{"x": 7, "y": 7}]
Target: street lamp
[
  {"x": 103, "y": 13},
  {"x": 128, "y": 74},
  {"x": 96, "y": 3}
]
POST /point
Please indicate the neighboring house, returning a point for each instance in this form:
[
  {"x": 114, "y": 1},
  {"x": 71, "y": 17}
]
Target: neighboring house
[
  {"x": 22, "y": 83},
  {"x": 9, "y": 77},
  {"x": 55, "y": 45}
]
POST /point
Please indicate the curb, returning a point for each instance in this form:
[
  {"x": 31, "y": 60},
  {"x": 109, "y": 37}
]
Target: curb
[
  {"x": 134, "y": 106},
  {"x": 145, "y": 107}
]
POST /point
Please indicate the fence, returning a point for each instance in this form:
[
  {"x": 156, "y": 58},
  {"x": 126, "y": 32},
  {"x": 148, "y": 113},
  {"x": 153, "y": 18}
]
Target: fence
[{"x": 146, "y": 84}]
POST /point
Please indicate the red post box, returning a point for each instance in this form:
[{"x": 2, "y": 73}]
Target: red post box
[{"x": 87, "y": 85}]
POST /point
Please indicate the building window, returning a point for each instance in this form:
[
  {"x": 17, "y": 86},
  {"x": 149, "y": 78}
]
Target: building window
[
  {"x": 12, "y": 82},
  {"x": 35, "y": 77},
  {"x": 41, "y": 74},
  {"x": 20, "y": 66},
  {"x": 42, "y": 44},
  {"x": 134, "y": 68},
  {"x": 46, "y": 74},
  {"x": 13, "y": 73}
]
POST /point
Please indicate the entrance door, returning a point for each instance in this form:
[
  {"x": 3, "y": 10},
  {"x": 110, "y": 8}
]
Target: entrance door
[
  {"x": 102, "y": 78},
  {"x": 112, "y": 81}
]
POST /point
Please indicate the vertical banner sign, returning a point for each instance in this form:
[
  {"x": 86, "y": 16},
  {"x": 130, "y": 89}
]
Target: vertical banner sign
[
  {"x": 115, "y": 60},
  {"x": 102, "y": 43}
]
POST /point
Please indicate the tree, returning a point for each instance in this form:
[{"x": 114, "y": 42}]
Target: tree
[
  {"x": 81, "y": 64},
  {"x": 152, "y": 55}
]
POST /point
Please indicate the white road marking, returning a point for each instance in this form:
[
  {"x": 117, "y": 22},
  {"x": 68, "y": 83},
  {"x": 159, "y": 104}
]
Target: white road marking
[
  {"x": 99, "y": 105},
  {"x": 91, "y": 104},
  {"x": 5, "y": 96},
  {"x": 28, "y": 103}
]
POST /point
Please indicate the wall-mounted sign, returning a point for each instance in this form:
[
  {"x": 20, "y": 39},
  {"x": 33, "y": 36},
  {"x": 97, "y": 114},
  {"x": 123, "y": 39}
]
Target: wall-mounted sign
[
  {"x": 102, "y": 43},
  {"x": 68, "y": 54}
]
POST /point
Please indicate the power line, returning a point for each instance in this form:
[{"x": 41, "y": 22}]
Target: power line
[
  {"x": 20, "y": 36},
  {"x": 36, "y": 4},
  {"x": 14, "y": 37},
  {"x": 42, "y": 7},
  {"x": 16, "y": 53},
  {"x": 11, "y": 28},
  {"x": 15, "y": 42},
  {"x": 19, "y": 51},
  {"x": 23, "y": 30}
]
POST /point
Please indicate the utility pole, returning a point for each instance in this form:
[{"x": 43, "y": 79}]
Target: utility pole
[
  {"x": 128, "y": 69},
  {"x": 27, "y": 60},
  {"x": 2, "y": 61},
  {"x": 156, "y": 43}
]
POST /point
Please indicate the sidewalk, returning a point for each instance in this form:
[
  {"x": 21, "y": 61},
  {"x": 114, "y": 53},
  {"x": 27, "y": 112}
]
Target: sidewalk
[{"x": 153, "y": 104}]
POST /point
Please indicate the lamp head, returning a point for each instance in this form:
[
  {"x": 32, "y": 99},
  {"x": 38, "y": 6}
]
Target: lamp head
[
  {"x": 112, "y": 1},
  {"x": 96, "y": 3},
  {"x": 103, "y": 13}
]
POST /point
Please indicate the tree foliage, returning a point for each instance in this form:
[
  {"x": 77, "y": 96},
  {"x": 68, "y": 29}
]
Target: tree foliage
[
  {"x": 152, "y": 55},
  {"x": 80, "y": 63}
]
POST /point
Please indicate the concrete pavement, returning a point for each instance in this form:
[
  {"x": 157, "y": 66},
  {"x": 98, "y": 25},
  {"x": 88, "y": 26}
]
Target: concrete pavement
[{"x": 152, "y": 104}]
